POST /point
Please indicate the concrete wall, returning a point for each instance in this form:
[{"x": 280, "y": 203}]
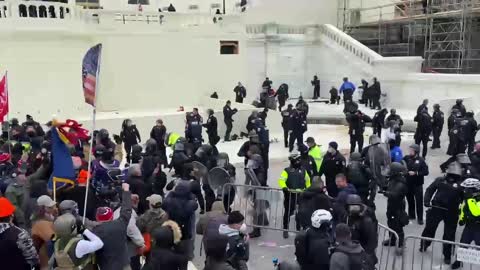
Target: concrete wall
[{"x": 144, "y": 66}]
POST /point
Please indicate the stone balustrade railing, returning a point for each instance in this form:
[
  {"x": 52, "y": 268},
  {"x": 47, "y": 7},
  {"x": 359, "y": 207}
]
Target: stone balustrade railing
[{"x": 349, "y": 44}]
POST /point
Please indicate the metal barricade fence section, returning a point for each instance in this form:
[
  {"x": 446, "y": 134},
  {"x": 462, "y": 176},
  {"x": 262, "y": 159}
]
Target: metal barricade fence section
[
  {"x": 433, "y": 258},
  {"x": 386, "y": 255},
  {"x": 265, "y": 207}
]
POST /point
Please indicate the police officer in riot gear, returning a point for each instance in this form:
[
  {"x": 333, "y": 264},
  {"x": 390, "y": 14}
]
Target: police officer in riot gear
[
  {"x": 282, "y": 95},
  {"x": 293, "y": 180},
  {"x": 228, "y": 113},
  {"x": 438, "y": 120},
  {"x": 297, "y": 126},
  {"x": 417, "y": 170},
  {"x": 458, "y": 133},
  {"x": 469, "y": 214},
  {"x": 363, "y": 223},
  {"x": 460, "y": 107},
  {"x": 447, "y": 195},
  {"x": 193, "y": 132},
  {"x": 285, "y": 123},
  {"x": 356, "y": 128},
  {"x": 359, "y": 175},
  {"x": 212, "y": 128},
  {"x": 471, "y": 131},
  {"x": 333, "y": 164},
  {"x": 396, "y": 192},
  {"x": 424, "y": 128}
]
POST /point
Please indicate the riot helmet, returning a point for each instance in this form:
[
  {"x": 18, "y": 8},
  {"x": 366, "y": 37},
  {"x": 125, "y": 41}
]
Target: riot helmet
[{"x": 65, "y": 225}]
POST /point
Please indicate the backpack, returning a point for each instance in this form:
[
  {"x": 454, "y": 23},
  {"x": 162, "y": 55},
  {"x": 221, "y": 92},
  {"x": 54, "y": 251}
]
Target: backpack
[{"x": 357, "y": 261}]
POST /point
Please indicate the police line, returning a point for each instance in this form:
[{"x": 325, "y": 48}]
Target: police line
[{"x": 266, "y": 208}]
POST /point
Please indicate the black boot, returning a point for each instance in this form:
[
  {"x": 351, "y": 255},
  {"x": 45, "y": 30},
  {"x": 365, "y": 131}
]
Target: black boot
[
  {"x": 456, "y": 265},
  {"x": 255, "y": 233}
]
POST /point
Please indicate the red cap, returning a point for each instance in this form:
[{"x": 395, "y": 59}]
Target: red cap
[
  {"x": 6, "y": 208},
  {"x": 104, "y": 214},
  {"x": 4, "y": 157}
]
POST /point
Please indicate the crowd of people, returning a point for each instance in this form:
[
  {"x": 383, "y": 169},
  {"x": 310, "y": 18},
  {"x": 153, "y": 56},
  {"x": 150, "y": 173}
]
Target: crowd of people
[{"x": 110, "y": 217}]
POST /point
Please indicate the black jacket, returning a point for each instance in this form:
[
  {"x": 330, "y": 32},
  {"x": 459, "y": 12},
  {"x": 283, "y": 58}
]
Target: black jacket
[
  {"x": 396, "y": 193},
  {"x": 418, "y": 165},
  {"x": 357, "y": 122},
  {"x": 16, "y": 249},
  {"x": 211, "y": 125},
  {"x": 375, "y": 90},
  {"x": 446, "y": 193},
  {"x": 228, "y": 114},
  {"x": 129, "y": 135},
  {"x": 396, "y": 118},
  {"x": 451, "y": 122},
  {"x": 332, "y": 165},
  {"x": 378, "y": 120},
  {"x": 180, "y": 206},
  {"x": 140, "y": 187},
  {"x": 359, "y": 175},
  {"x": 297, "y": 122},
  {"x": 158, "y": 134},
  {"x": 240, "y": 91},
  {"x": 286, "y": 117},
  {"x": 312, "y": 249},
  {"x": 438, "y": 120},
  {"x": 114, "y": 254},
  {"x": 312, "y": 199},
  {"x": 424, "y": 125},
  {"x": 461, "y": 108},
  {"x": 364, "y": 230},
  {"x": 163, "y": 256}
]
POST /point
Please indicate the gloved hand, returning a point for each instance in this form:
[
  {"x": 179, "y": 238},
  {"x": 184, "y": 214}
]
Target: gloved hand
[
  {"x": 202, "y": 212},
  {"x": 461, "y": 222},
  {"x": 285, "y": 189},
  {"x": 428, "y": 205}
]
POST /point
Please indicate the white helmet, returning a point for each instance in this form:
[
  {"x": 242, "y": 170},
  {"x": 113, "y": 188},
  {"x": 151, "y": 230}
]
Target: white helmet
[
  {"x": 471, "y": 183},
  {"x": 320, "y": 217}
]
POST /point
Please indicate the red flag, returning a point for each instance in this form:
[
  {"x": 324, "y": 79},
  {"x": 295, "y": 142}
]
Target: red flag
[{"x": 3, "y": 98}]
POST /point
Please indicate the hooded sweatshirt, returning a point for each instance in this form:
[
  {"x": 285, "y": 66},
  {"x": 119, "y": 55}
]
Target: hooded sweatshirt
[
  {"x": 340, "y": 259},
  {"x": 238, "y": 250},
  {"x": 17, "y": 250}
]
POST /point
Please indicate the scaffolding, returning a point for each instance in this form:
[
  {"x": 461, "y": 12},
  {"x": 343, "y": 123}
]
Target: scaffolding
[{"x": 441, "y": 31}]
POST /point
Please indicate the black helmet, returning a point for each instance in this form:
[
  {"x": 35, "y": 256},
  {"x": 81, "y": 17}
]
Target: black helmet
[
  {"x": 397, "y": 169},
  {"x": 354, "y": 199},
  {"x": 103, "y": 134},
  {"x": 459, "y": 101},
  {"x": 454, "y": 169},
  {"x": 436, "y": 106}
]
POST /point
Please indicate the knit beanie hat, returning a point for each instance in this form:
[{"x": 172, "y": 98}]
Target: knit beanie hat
[{"x": 104, "y": 214}]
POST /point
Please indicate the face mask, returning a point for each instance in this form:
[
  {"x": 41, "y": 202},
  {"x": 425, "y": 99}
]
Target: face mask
[{"x": 243, "y": 228}]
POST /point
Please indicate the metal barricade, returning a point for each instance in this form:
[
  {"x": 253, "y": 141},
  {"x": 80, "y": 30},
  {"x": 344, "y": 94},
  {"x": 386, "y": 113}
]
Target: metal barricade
[
  {"x": 386, "y": 255},
  {"x": 432, "y": 258},
  {"x": 264, "y": 207}
]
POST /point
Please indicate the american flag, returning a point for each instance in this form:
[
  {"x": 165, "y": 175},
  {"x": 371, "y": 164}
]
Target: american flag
[{"x": 90, "y": 68}]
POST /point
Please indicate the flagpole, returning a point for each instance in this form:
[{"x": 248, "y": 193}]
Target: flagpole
[{"x": 94, "y": 117}]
